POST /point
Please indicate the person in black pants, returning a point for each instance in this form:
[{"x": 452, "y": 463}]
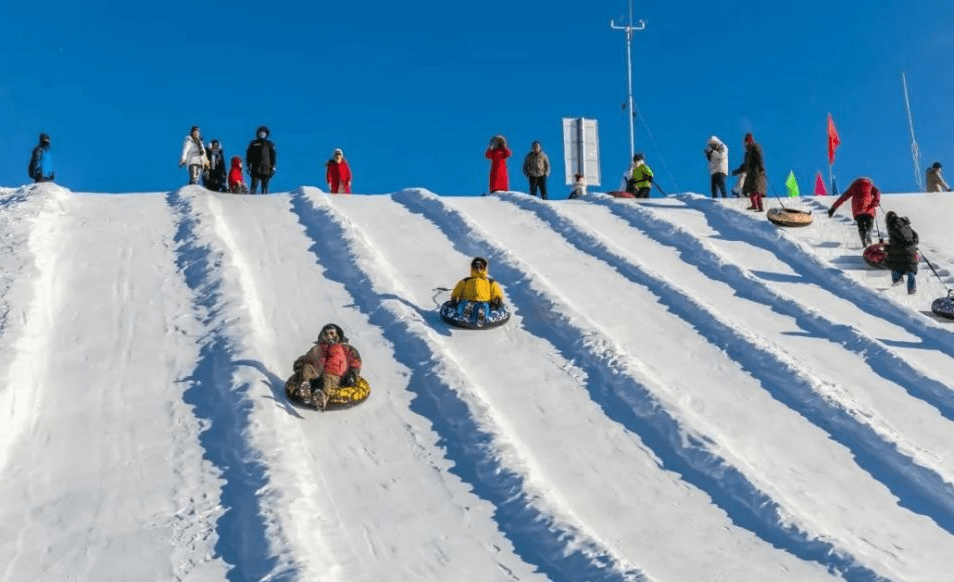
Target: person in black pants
[
  {"x": 536, "y": 167},
  {"x": 260, "y": 160}
]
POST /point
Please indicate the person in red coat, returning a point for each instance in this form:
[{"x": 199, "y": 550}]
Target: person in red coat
[
  {"x": 498, "y": 153},
  {"x": 865, "y": 199},
  {"x": 338, "y": 174},
  {"x": 236, "y": 180}
]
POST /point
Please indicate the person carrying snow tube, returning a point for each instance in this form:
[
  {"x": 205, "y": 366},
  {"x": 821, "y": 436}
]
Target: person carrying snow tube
[
  {"x": 865, "y": 199},
  {"x": 328, "y": 375},
  {"x": 901, "y": 252},
  {"x": 476, "y": 302}
]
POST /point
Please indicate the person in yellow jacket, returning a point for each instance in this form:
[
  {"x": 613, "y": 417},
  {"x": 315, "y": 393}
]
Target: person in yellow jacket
[
  {"x": 639, "y": 177},
  {"x": 478, "y": 287}
]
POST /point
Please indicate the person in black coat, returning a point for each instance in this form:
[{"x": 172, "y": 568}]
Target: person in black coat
[
  {"x": 901, "y": 253},
  {"x": 214, "y": 176},
  {"x": 260, "y": 160},
  {"x": 41, "y": 161}
]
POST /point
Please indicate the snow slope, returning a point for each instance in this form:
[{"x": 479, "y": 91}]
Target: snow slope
[{"x": 685, "y": 392}]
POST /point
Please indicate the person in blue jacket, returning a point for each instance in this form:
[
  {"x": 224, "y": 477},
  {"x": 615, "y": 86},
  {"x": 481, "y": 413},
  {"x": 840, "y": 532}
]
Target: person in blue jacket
[{"x": 41, "y": 162}]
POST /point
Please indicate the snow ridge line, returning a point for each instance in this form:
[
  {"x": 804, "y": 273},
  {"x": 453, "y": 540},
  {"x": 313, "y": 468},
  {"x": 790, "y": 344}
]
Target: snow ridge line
[
  {"x": 445, "y": 397},
  {"x": 28, "y": 336},
  {"x": 616, "y": 385},
  {"x": 224, "y": 410},
  {"x": 918, "y": 487}
]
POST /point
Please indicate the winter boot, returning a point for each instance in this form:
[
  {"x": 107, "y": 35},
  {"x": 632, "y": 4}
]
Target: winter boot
[{"x": 329, "y": 385}]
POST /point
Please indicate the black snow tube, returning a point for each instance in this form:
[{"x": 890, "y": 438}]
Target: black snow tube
[
  {"x": 944, "y": 306},
  {"x": 474, "y": 314}
]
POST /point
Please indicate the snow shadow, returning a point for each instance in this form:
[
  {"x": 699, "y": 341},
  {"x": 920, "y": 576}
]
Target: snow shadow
[
  {"x": 918, "y": 488},
  {"x": 536, "y": 537},
  {"x": 627, "y": 401},
  {"x": 224, "y": 410}
]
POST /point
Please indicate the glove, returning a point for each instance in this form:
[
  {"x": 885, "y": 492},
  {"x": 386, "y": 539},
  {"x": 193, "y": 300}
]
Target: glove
[
  {"x": 736, "y": 172},
  {"x": 831, "y": 212},
  {"x": 649, "y": 179},
  {"x": 349, "y": 379},
  {"x": 181, "y": 164},
  {"x": 496, "y": 304}
]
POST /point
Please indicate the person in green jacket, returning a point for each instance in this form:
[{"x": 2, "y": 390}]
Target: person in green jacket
[{"x": 639, "y": 178}]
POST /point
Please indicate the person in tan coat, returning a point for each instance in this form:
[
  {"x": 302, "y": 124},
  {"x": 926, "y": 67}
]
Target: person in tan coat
[{"x": 935, "y": 181}]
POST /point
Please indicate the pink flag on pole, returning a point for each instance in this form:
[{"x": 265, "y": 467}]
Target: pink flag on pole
[{"x": 820, "y": 185}]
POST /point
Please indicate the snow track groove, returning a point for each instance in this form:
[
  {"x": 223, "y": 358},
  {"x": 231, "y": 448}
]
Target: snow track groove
[
  {"x": 450, "y": 398},
  {"x": 612, "y": 378},
  {"x": 247, "y": 537}
]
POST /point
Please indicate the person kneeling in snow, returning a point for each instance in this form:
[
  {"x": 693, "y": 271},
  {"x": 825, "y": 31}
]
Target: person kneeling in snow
[
  {"x": 901, "y": 253},
  {"x": 327, "y": 372},
  {"x": 477, "y": 289}
]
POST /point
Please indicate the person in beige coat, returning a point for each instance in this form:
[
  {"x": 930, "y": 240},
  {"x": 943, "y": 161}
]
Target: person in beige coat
[
  {"x": 935, "y": 181},
  {"x": 536, "y": 167}
]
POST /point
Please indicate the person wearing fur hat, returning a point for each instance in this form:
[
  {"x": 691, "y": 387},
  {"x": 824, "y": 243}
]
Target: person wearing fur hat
[
  {"x": 260, "y": 159},
  {"x": 41, "y": 161},
  {"x": 194, "y": 155},
  {"x": 865, "y": 200},
  {"x": 338, "y": 174},
  {"x": 324, "y": 373},
  {"x": 753, "y": 166},
  {"x": 497, "y": 153},
  {"x": 639, "y": 177},
  {"x": 536, "y": 167},
  {"x": 934, "y": 179},
  {"x": 901, "y": 252},
  {"x": 717, "y": 154},
  {"x": 579, "y": 187}
]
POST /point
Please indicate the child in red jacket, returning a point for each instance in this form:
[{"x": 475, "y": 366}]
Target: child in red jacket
[{"x": 236, "y": 180}]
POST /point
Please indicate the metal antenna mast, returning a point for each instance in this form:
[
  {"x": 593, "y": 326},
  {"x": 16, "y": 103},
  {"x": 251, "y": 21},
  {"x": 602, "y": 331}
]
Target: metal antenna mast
[
  {"x": 915, "y": 152},
  {"x": 629, "y": 28}
]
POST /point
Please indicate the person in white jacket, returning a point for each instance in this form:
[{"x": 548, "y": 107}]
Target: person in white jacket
[
  {"x": 193, "y": 155},
  {"x": 717, "y": 153}
]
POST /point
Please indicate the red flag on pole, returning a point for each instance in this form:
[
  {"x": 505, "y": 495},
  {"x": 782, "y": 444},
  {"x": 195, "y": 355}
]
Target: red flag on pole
[
  {"x": 820, "y": 185},
  {"x": 833, "y": 141}
]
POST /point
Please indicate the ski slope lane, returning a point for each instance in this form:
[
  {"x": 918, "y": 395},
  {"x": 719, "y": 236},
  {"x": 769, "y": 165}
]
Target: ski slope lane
[
  {"x": 609, "y": 389},
  {"x": 108, "y": 351},
  {"x": 332, "y": 504},
  {"x": 686, "y": 294},
  {"x": 901, "y": 403}
]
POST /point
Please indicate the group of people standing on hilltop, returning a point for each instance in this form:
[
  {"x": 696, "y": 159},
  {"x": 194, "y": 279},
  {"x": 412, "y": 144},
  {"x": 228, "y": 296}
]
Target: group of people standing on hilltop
[
  {"x": 208, "y": 164},
  {"x": 536, "y": 168}
]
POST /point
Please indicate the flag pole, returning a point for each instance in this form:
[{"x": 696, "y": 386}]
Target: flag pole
[
  {"x": 915, "y": 153},
  {"x": 831, "y": 160}
]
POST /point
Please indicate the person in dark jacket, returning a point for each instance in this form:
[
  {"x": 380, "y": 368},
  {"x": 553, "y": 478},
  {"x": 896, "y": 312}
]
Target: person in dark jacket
[
  {"x": 536, "y": 167},
  {"x": 214, "y": 175},
  {"x": 753, "y": 166},
  {"x": 41, "y": 161},
  {"x": 260, "y": 159},
  {"x": 901, "y": 253},
  {"x": 865, "y": 199}
]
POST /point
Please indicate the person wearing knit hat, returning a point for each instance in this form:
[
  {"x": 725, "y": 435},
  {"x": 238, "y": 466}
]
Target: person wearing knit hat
[
  {"x": 753, "y": 166},
  {"x": 934, "y": 180},
  {"x": 338, "y": 173}
]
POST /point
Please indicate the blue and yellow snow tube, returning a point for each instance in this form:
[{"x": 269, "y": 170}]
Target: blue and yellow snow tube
[{"x": 474, "y": 314}]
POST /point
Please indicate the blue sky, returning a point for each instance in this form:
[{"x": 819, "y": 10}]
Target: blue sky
[{"x": 413, "y": 91}]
